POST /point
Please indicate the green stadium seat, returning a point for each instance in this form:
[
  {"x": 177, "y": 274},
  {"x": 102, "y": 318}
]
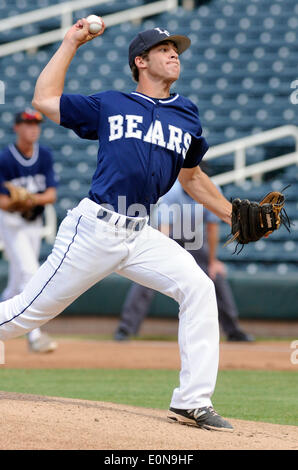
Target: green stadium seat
[{"x": 238, "y": 71}]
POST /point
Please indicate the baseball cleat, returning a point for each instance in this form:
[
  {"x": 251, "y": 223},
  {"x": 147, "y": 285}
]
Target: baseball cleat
[
  {"x": 121, "y": 335},
  {"x": 205, "y": 418},
  {"x": 240, "y": 336},
  {"x": 43, "y": 344}
]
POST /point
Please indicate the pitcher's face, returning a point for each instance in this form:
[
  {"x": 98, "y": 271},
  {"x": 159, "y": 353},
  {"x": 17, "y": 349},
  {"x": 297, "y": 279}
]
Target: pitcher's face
[{"x": 163, "y": 62}]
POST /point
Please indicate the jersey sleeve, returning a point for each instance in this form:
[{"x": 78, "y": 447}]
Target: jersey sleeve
[
  {"x": 81, "y": 114},
  {"x": 198, "y": 145},
  {"x": 51, "y": 180},
  {"x": 3, "y": 190},
  {"x": 3, "y": 178},
  {"x": 196, "y": 151}
]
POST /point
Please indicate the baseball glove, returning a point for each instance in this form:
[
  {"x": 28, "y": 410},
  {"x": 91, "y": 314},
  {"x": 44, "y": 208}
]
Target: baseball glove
[
  {"x": 19, "y": 197},
  {"x": 254, "y": 220}
]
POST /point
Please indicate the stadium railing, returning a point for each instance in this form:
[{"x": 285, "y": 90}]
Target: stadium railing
[
  {"x": 238, "y": 148},
  {"x": 65, "y": 11}
]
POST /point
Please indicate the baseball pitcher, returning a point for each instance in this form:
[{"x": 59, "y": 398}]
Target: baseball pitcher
[{"x": 148, "y": 138}]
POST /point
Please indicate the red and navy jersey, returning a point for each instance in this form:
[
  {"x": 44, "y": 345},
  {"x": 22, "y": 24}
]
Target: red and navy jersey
[
  {"x": 36, "y": 173},
  {"x": 143, "y": 143}
]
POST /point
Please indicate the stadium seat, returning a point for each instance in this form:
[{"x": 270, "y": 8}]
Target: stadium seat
[{"x": 238, "y": 72}]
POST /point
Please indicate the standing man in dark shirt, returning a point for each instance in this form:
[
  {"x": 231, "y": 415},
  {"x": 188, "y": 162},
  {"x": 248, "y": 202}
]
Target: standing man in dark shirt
[{"x": 139, "y": 298}]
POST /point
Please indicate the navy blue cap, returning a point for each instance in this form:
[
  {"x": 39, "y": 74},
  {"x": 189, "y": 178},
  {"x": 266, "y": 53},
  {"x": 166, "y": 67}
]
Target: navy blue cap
[{"x": 147, "y": 39}]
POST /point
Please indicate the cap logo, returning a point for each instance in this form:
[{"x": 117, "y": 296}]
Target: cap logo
[{"x": 162, "y": 31}]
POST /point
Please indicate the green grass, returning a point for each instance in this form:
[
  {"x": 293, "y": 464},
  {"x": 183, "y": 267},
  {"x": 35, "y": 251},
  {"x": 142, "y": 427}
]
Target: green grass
[
  {"x": 251, "y": 395},
  {"x": 109, "y": 337},
  {"x": 162, "y": 337}
]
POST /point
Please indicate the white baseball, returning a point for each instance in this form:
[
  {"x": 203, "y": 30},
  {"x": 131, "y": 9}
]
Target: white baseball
[{"x": 95, "y": 24}]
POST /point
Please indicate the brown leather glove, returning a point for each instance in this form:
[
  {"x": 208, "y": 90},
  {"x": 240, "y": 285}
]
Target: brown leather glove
[
  {"x": 21, "y": 199},
  {"x": 254, "y": 220}
]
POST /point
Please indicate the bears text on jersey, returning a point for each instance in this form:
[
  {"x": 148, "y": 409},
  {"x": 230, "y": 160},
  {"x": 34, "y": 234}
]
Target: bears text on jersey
[{"x": 128, "y": 127}]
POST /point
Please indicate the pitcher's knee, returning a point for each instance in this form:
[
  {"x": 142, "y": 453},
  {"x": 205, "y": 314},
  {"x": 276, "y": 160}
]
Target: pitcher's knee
[
  {"x": 196, "y": 287},
  {"x": 203, "y": 287}
]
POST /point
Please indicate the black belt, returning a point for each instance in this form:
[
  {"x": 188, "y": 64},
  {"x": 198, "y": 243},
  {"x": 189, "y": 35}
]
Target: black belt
[{"x": 122, "y": 221}]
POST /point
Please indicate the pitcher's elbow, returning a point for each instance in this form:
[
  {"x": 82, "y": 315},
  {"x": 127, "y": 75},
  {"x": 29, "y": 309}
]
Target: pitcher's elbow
[{"x": 36, "y": 104}]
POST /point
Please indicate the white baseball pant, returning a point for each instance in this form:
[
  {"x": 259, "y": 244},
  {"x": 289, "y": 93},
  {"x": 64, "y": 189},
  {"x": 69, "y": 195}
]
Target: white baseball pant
[
  {"x": 88, "y": 249},
  {"x": 21, "y": 240}
]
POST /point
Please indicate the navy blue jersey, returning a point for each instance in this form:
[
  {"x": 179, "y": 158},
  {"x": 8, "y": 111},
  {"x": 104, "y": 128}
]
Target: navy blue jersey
[
  {"x": 143, "y": 143},
  {"x": 36, "y": 174}
]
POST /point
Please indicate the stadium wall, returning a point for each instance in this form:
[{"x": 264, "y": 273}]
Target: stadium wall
[{"x": 257, "y": 297}]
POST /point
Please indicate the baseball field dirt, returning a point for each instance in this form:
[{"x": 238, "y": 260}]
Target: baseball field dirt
[
  {"x": 78, "y": 354},
  {"x": 35, "y": 422}
]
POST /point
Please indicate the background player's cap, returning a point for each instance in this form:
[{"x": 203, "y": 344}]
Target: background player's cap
[
  {"x": 28, "y": 115},
  {"x": 147, "y": 39}
]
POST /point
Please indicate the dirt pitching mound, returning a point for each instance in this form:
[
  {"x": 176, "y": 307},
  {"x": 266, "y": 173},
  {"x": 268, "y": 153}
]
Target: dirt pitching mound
[{"x": 35, "y": 422}]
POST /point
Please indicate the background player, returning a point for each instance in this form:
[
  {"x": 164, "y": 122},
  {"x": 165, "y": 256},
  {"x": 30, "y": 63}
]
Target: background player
[
  {"x": 147, "y": 138},
  {"x": 139, "y": 298},
  {"x": 29, "y": 165}
]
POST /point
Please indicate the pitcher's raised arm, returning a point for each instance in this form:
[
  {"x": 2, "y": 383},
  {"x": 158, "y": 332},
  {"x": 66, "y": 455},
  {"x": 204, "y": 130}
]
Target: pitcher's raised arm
[{"x": 50, "y": 84}]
